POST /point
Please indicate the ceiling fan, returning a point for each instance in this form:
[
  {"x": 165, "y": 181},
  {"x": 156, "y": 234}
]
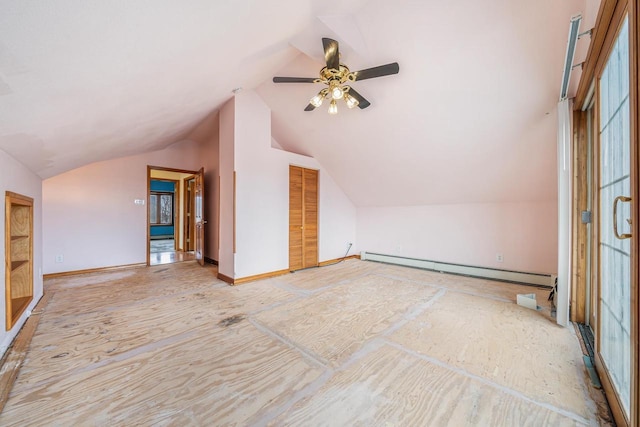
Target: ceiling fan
[{"x": 336, "y": 76}]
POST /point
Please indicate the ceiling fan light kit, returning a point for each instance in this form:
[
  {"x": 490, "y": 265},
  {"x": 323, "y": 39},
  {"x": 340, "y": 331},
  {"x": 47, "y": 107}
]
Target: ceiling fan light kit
[
  {"x": 335, "y": 76},
  {"x": 333, "y": 107},
  {"x": 350, "y": 100}
]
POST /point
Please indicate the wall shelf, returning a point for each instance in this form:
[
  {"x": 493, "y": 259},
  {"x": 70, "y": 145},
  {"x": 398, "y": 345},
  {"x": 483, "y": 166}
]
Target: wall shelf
[{"x": 18, "y": 255}]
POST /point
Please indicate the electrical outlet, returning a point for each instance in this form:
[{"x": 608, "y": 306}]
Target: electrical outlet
[
  {"x": 59, "y": 258},
  {"x": 499, "y": 257}
]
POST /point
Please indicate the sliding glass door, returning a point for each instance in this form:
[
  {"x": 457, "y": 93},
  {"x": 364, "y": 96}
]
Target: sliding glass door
[{"x": 615, "y": 340}]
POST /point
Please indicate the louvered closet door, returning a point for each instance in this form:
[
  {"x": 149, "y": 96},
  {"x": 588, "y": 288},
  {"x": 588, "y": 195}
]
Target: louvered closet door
[
  {"x": 295, "y": 218},
  {"x": 303, "y": 218},
  {"x": 310, "y": 218}
]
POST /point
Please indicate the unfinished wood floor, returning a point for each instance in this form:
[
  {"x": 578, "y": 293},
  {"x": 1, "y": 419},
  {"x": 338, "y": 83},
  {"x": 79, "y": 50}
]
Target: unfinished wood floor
[{"x": 357, "y": 343}]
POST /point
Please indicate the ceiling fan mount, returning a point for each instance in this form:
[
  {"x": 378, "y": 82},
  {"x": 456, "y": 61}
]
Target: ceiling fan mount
[{"x": 336, "y": 76}]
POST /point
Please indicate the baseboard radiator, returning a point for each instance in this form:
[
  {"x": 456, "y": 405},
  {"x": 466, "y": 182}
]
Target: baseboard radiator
[{"x": 534, "y": 279}]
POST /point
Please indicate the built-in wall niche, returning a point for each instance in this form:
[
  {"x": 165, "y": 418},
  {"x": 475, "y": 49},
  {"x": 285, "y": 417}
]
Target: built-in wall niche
[{"x": 18, "y": 241}]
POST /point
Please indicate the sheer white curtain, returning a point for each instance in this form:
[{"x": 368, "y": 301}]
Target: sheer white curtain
[{"x": 564, "y": 211}]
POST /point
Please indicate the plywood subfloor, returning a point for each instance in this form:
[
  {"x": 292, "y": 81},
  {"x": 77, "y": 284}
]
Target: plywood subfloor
[{"x": 356, "y": 343}]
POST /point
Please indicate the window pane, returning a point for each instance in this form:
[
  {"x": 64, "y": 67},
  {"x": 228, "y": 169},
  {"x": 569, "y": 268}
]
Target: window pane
[
  {"x": 153, "y": 209},
  {"x": 615, "y": 254},
  {"x": 166, "y": 209}
]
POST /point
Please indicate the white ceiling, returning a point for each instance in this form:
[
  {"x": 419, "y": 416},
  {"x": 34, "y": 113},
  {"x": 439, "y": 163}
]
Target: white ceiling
[{"x": 470, "y": 117}]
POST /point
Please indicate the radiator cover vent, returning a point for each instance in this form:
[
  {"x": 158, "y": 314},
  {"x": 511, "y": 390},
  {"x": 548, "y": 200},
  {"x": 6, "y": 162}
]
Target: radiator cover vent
[{"x": 520, "y": 277}]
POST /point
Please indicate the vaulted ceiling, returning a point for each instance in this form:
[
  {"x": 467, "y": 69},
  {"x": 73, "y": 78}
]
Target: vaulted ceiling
[{"x": 471, "y": 117}]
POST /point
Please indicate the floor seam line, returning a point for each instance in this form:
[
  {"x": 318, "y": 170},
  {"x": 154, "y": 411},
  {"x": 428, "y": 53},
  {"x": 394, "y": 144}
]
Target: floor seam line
[
  {"x": 368, "y": 347},
  {"x": 475, "y": 294},
  {"x": 309, "y": 390},
  {"x": 128, "y": 305},
  {"x": 312, "y": 292},
  {"x": 504, "y": 389},
  {"x": 316, "y": 359},
  {"x": 413, "y": 313},
  {"x": 114, "y": 359},
  {"x": 275, "y": 305}
]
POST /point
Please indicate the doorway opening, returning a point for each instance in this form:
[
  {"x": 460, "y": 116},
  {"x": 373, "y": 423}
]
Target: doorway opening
[{"x": 171, "y": 215}]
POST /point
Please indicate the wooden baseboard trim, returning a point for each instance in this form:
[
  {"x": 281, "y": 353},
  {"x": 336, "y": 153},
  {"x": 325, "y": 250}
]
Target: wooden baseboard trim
[
  {"x": 242, "y": 280},
  {"x": 226, "y": 279},
  {"x": 210, "y": 261},
  {"x": 17, "y": 351},
  {"x": 334, "y": 261},
  {"x": 92, "y": 270}
]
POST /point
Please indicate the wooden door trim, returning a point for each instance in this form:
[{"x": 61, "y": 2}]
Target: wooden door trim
[
  {"x": 610, "y": 18},
  {"x": 149, "y": 169},
  {"x": 579, "y": 229},
  {"x": 186, "y": 202},
  {"x": 610, "y": 12},
  {"x": 200, "y": 231},
  {"x": 176, "y": 202},
  {"x": 634, "y": 136}
]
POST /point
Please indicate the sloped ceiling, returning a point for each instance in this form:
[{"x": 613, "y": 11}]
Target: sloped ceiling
[{"x": 470, "y": 117}]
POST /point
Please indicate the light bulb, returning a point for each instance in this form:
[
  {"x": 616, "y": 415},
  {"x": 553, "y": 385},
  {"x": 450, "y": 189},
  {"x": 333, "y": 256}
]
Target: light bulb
[
  {"x": 351, "y": 101},
  {"x": 316, "y": 101},
  {"x": 337, "y": 92},
  {"x": 333, "y": 108}
]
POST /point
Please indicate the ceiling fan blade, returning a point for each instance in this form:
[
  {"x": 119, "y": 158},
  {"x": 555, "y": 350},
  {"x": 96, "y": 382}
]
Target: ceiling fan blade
[
  {"x": 310, "y": 107},
  {"x": 294, "y": 80},
  {"x": 331, "y": 53},
  {"x": 363, "y": 103},
  {"x": 379, "y": 71}
]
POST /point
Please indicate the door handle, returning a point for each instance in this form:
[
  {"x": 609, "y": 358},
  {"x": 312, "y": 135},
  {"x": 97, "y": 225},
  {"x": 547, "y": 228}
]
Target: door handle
[{"x": 615, "y": 217}]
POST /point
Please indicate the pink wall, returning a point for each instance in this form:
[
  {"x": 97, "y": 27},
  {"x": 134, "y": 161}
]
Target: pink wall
[
  {"x": 227, "y": 123},
  {"x": 524, "y": 233},
  {"x": 18, "y": 179},
  {"x": 89, "y": 213},
  {"x": 262, "y": 196},
  {"x": 209, "y": 149}
]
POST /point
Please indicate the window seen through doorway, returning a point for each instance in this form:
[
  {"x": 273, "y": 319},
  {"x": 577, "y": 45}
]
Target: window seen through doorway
[{"x": 161, "y": 208}]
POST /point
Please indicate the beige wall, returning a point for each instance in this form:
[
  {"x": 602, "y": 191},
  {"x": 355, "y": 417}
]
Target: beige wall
[
  {"x": 90, "y": 216},
  {"x": 525, "y": 234},
  {"x": 262, "y": 195}
]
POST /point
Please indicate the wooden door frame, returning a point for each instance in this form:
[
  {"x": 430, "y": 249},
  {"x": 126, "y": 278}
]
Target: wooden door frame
[
  {"x": 157, "y": 168},
  {"x": 176, "y": 201},
  {"x": 201, "y": 230},
  {"x": 187, "y": 201},
  {"x": 610, "y": 17}
]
